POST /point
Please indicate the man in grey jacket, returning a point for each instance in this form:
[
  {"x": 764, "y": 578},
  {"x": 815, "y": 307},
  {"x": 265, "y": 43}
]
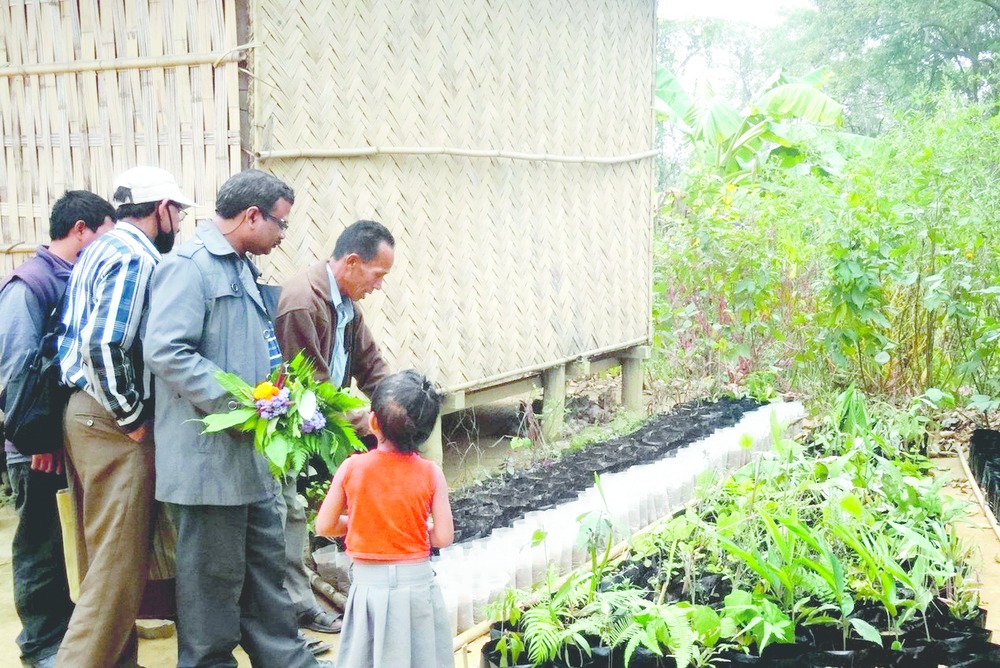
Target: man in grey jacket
[{"x": 208, "y": 314}]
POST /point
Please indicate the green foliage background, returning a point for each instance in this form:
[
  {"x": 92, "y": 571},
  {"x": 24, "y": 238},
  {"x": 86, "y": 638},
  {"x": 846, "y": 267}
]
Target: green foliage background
[{"x": 886, "y": 274}]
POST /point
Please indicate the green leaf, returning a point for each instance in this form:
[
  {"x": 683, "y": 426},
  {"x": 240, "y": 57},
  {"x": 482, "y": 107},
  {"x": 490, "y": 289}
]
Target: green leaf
[
  {"x": 719, "y": 122},
  {"x": 939, "y": 398},
  {"x": 277, "y": 451},
  {"x": 519, "y": 442},
  {"x": 866, "y": 631},
  {"x": 338, "y": 400},
  {"x": 343, "y": 430},
  {"x": 750, "y": 140},
  {"x": 799, "y": 100},
  {"x": 260, "y": 436},
  {"x": 818, "y": 78},
  {"x": 852, "y": 505},
  {"x": 786, "y": 157},
  {"x": 222, "y": 421},
  {"x": 707, "y": 624},
  {"x": 672, "y": 101},
  {"x": 236, "y": 386}
]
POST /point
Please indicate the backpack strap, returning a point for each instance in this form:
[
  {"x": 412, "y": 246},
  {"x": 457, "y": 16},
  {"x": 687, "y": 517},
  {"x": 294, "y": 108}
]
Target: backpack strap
[{"x": 53, "y": 328}]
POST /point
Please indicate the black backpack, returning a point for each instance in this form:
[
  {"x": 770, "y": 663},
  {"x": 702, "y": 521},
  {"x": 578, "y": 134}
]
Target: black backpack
[{"x": 34, "y": 399}]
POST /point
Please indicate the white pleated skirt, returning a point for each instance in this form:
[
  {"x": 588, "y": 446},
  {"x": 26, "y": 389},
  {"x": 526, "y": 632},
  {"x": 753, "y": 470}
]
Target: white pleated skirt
[{"x": 395, "y": 617}]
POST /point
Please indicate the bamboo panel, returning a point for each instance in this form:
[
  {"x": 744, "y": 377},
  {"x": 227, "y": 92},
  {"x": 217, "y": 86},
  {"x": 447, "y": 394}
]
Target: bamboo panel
[
  {"x": 122, "y": 83},
  {"x": 501, "y": 265}
]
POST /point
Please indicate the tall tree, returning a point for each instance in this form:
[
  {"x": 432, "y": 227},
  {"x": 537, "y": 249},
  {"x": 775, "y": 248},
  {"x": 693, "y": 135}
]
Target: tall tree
[
  {"x": 728, "y": 53},
  {"x": 887, "y": 54}
]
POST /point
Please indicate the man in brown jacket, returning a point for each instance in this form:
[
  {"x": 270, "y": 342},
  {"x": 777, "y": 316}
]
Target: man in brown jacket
[{"x": 318, "y": 314}]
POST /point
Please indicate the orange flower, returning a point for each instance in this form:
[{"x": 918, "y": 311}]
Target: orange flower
[{"x": 266, "y": 390}]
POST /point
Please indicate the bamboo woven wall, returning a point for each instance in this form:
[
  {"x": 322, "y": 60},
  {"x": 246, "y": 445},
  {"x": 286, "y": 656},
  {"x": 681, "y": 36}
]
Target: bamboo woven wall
[
  {"x": 89, "y": 88},
  {"x": 502, "y": 265}
]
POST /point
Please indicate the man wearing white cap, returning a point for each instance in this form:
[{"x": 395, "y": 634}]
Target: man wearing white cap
[{"x": 108, "y": 420}]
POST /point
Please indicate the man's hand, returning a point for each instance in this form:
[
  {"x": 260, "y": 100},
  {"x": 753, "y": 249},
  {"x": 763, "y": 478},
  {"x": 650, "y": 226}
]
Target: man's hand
[
  {"x": 48, "y": 463},
  {"x": 139, "y": 435}
]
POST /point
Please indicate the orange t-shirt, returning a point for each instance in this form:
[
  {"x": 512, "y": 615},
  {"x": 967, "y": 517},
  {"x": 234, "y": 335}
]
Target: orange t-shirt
[{"x": 388, "y": 502}]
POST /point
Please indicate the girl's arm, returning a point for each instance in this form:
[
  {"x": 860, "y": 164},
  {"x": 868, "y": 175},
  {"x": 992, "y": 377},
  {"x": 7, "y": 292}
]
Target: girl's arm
[
  {"x": 330, "y": 521},
  {"x": 442, "y": 531}
]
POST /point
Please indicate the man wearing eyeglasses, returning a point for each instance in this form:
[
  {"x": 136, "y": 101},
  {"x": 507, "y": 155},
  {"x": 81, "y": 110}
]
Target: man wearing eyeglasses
[
  {"x": 108, "y": 419},
  {"x": 210, "y": 314}
]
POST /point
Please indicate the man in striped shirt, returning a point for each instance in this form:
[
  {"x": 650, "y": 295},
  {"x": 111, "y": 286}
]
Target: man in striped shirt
[{"x": 109, "y": 419}]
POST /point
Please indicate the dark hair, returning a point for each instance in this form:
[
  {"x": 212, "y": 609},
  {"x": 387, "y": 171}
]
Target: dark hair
[
  {"x": 362, "y": 237},
  {"x": 251, "y": 188},
  {"x": 137, "y": 211},
  {"x": 78, "y": 205},
  {"x": 406, "y": 405}
]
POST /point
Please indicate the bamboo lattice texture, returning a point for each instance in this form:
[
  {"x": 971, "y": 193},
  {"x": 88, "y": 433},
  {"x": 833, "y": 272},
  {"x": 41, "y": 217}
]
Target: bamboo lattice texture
[
  {"x": 501, "y": 265},
  {"x": 78, "y": 129}
]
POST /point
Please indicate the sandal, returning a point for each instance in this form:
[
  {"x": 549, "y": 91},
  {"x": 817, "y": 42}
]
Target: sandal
[
  {"x": 317, "y": 646},
  {"x": 319, "y": 621}
]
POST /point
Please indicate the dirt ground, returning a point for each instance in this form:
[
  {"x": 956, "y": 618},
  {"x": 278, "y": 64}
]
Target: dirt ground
[
  {"x": 471, "y": 455},
  {"x": 977, "y": 530}
]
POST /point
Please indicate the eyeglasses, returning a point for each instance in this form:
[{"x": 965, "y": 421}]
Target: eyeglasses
[
  {"x": 181, "y": 212},
  {"x": 282, "y": 223}
]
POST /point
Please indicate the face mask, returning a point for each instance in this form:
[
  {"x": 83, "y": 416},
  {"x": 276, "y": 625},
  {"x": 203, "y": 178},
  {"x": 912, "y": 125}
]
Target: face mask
[{"x": 164, "y": 241}]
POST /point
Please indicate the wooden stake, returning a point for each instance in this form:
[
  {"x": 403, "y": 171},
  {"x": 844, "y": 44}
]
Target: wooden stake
[{"x": 553, "y": 402}]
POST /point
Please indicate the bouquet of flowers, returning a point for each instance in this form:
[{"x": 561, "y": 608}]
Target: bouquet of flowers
[{"x": 292, "y": 417}]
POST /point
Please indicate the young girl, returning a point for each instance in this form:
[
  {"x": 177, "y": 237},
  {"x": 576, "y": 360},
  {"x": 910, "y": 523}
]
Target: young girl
[{"x": 395, "y": 615}]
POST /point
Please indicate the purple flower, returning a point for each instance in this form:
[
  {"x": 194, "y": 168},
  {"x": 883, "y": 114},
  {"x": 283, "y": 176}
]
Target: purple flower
[
  {"x": 313, "y": 424},
  {"x": 275, "y": 406}
]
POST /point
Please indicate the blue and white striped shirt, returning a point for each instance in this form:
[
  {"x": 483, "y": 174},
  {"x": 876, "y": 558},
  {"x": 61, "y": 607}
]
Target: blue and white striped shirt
[{"x": 101, "y": 349}]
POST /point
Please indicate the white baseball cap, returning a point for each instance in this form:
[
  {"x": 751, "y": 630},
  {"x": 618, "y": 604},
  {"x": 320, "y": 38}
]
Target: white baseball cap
[{"x": 150, "y": 184}]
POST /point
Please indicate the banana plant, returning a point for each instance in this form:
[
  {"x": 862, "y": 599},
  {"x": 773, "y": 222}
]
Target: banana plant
[{"x": 781, "y": 120}]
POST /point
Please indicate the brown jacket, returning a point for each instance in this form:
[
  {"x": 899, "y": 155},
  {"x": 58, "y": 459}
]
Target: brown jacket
[{"x": 307, "y": 322}]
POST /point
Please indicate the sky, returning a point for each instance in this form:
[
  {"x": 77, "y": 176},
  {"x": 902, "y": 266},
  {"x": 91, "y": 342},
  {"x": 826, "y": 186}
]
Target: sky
[{"x": 760, "y": 12}]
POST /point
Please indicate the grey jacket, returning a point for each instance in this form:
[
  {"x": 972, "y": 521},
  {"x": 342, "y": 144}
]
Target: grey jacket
[{"x": 206, "y": 313}]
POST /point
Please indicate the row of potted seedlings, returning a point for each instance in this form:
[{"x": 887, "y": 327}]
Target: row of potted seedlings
[
  {"x": 841, "y": 552},
  {"x": 475, "y": 571}
]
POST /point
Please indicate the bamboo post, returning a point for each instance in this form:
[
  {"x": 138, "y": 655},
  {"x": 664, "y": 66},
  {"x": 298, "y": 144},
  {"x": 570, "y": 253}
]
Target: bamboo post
[
  {"x": 366, "y": 151},
  {"x": 326, "y": 590},
  {"x": 433, "y": 447},
  {"x": 553, "y": 402},
  {"x": 632, "y": 377}
]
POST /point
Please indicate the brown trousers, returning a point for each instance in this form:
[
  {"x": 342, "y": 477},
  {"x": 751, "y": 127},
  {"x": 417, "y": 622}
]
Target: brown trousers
[{"x": 111, "y": 480}]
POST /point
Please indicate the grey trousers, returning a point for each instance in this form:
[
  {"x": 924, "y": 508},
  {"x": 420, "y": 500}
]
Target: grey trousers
[
  {"x": 296, "y": 537},
  {"x": 229, "y": 588}
]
